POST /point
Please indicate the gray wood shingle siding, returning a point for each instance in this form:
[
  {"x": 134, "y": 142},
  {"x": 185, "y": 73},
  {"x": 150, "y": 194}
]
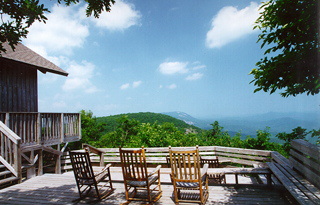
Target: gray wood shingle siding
[{"x": 18, "y": 87}]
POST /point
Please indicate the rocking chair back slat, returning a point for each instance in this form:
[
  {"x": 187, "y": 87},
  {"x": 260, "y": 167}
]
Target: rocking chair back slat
[
  {"x": 134, "y": 165},
  {"x": 185, "y": 165},
  {"x": 82, "y": 168}
]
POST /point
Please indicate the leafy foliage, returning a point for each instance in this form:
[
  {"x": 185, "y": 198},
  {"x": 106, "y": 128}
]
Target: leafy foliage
[
  {"x": 290, "y": 28},
  {"x": 297, "y": 133},
  {"x": 127, "y": 131},
  {"x": 23, "y": 13},
  {"x": 90, "y": 128}
]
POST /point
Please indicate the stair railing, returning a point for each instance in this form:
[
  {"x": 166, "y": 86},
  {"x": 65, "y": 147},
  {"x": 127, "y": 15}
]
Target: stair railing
[{"x": 10, "y": 154}]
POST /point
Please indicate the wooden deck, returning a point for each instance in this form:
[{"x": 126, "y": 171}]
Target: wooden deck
[{"x": 61, "y": 189}]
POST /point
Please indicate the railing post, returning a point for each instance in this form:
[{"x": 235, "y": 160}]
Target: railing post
[
  {"x": 38, "y": 133},
  {"x": 62, "y": 128},
  {"x": 79, "y": 126},
  {"x": 58, "y": 161},
  {"x": 17, "y": 160},
  {"x": 6, "y": 121},
  {"x": 101, "y": 159}
]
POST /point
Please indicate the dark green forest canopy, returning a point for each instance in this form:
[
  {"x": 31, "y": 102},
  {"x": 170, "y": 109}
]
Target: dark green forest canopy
[{"x": 146, "y": 117}]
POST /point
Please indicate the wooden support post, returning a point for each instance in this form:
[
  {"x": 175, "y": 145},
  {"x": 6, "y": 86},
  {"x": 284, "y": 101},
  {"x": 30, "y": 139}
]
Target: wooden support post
[
  {"x": 58, "y": 162},
  {"x": 61, "y": 129},
  {"x": 101, "y": 159},
  {"x": 6, "y": 121},
  {"x": 38, "y": 132},
  {"x": 31, "y": 171},
  {"x": 269, "y": 180},
  {"x": 236, "y": 176},
  {"x": 40, "y": 163},
  {"x": 17, "y": 160},
  {"x": 79, "y": 127}
]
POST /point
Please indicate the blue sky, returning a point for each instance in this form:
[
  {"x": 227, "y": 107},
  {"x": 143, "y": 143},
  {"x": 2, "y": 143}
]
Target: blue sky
[{"x": 156, "y": 56}]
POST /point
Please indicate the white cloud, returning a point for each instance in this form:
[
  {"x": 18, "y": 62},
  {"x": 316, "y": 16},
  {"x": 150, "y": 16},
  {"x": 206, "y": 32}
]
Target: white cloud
[
  {"x": 63, "y": 31},
  {"x": 231, "y": 24},
  {"x": 198, "y": 67},
  {"x": 172, "y": 86},
  {"x": 125, "y": 86},
  {"x": 79, "y": 77},
  {"x": 170, "y": 68},
  {"x": 195, "y": 76},
  {"x": 136, "y": 84},
  {"x": 122, "y": 16}
]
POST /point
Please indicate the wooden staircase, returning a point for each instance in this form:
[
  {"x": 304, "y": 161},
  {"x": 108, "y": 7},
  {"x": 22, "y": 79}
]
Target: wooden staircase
[{"x": 7, "y": 178}]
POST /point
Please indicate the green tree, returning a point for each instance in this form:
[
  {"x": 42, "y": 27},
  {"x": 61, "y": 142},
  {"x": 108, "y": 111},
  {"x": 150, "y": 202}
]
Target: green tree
[
  {"x": 291, "y": 64},
  {"x": 91, "y": 130},
  {"x": 297, "y": 133},
  {"x": 23, "y": 13},
  {"x": 126, "y": 130},
  {"x": 216, "y": 136},
  {"x": 316, "y": 133},
  {"x": 260, "y": 142}
]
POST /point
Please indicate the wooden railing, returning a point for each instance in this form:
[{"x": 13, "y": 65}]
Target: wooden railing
[
  {"x": 10, "y": 150},
  {"x": 43, "y": 128},
  {"x": 159, "y": 155}
]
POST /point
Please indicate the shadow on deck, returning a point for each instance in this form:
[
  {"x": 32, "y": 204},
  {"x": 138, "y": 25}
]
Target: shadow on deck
[{"x": 61, "y": 189}]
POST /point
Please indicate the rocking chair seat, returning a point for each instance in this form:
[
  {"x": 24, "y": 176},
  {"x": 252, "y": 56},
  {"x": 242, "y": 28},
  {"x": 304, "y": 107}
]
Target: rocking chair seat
[
  {"x": 151, "y": 180},
  {"x": 98, "y": 176},
  {"x": 188, "y": 184}
]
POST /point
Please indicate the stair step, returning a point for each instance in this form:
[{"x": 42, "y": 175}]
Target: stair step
[
  {"x": 7, "y": 180},
  {"x": 5, "y": 173}
]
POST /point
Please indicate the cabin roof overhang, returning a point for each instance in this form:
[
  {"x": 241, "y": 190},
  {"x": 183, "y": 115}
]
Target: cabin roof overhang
[{"x": 25, "y": 55}]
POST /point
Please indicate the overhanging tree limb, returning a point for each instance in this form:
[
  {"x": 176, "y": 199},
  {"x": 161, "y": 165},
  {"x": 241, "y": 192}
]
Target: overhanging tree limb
[{"x": 290, "y": 31}]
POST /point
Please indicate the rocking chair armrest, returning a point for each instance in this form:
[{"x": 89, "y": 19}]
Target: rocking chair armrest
[
  {"x": 103, "y": 170},
  {"x": 157, "y": 169},
  {"x": 204, "y": 169}
]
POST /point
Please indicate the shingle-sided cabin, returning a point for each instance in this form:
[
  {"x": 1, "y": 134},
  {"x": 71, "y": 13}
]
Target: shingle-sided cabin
[
  {"x": 29, "y": 140},
  {"x": 18, "y": 78}
]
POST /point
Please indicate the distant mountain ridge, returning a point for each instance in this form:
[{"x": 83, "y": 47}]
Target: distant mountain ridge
[{"x": 248, "y": 125}]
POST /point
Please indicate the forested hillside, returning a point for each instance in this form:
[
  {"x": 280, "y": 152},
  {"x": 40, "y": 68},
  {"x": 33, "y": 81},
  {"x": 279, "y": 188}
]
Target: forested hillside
[{"x": 146, "y": 117}]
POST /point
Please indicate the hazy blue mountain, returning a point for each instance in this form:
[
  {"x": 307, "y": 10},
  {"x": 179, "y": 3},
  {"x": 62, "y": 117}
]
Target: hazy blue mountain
[
  {"x": 248, "y": 125},
  {"x": 203, "y": 124}
]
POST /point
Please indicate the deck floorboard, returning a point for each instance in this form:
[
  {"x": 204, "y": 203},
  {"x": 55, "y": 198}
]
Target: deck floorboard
[{"x": 61, "y": 189}]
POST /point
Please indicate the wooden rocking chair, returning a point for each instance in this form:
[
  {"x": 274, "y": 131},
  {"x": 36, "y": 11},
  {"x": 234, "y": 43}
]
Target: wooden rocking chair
[
  {"x": 139, "y": 184},
  {"x": 190, "y": 182},
  {"x": 87, "y": 179}
]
